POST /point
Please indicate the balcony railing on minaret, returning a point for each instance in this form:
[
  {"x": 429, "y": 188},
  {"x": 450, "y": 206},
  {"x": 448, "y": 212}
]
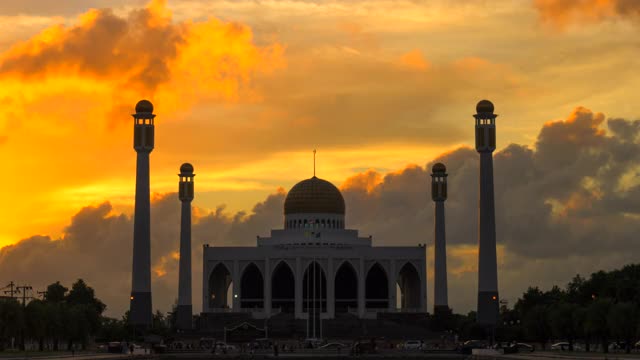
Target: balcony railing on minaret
[
  {"x": 439, "y": 182},
  {"x": 143, "y": 129},
  {"x": 485, "y": 127}
]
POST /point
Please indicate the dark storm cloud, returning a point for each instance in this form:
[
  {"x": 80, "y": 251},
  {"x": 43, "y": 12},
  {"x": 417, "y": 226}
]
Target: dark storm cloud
[
  {"x": 574, "y": 193},
  {"x": 97, "y": 244},
  {"x": 568, "y": 205}
]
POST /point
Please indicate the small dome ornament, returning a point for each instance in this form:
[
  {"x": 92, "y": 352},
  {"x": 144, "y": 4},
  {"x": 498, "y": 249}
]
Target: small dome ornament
[
  {"x": 484, "y": 107},
  {"x": 186, "y": 168},
  {"x": 438, "y": 168},
  {"x": 144, "y": 106}
]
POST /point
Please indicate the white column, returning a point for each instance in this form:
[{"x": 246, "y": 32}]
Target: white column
[
  {"x": 423, "y": 283},
  {"x": 267, "y": 287},
  {"x": 330, "y": 289},
  {"x": 298, "y": 292},
  {"x": 362, "y": 277},
  {"x": 393, "y": 279},
  {"x": 205, "y": 282},
  {"x": 235, "y": 277}
]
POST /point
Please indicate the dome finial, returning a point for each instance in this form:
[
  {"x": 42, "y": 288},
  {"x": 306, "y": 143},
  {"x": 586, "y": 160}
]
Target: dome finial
[
  {"x": 314, "y": 162},
  {"x": 186, "y": 168},
  {"x": 484, "y": 107},
  {"x": 144, "y": 106},
  {"x": 438, "y": 168}
]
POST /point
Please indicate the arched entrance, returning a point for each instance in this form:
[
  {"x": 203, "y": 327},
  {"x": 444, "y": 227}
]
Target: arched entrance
[
  {"x": 251, "y": 288},
  {"x": 219, "y": 285},
  {"x": 314, "y": 288},
  {"x": 409, "y": 283},
  {"x": 283, "y": 287},
  {"x": 346, "y": 288},
  {"x": 376, "y": 288}
]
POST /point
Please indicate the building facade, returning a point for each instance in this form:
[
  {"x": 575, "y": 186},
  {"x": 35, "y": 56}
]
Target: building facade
[{"x": 314, "y": 267}]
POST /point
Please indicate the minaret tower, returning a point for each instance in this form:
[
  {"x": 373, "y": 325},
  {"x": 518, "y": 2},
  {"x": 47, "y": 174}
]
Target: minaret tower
[
  {"x": 439, "y": 195},
  {"x": 143, "y": 132},
  {"x": 185, "y": 193},
  {"x": 487, "y": 264}
]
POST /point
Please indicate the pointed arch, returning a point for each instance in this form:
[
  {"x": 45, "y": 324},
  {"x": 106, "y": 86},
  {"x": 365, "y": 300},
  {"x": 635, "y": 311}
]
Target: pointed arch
[
  {"x": 377, "y": 288},
  {"x": 283, "y": 285},
  {"x": 409, "y": 283},
  {"x": 346, "y": 287},
  {"x": 219, "y": 284},
  {"x": 251, "y": 287}
]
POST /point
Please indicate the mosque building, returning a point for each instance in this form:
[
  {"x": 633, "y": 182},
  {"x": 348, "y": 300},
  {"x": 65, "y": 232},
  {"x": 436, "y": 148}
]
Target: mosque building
[{"x": 315, "y": 267}]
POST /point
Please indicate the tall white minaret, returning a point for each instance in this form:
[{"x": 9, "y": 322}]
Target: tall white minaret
[
  {"x": 184, "y": 316},
  {"x": 140, "y": 313},
  {"x": 488, "y": 298},
  {"x": 439, "y": 195}
]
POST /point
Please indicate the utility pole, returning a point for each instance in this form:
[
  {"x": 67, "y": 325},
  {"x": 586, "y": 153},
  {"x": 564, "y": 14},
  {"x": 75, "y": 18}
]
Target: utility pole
[
  {"x": 24, "y": 289},
  {"x": 11, "y": 290}
]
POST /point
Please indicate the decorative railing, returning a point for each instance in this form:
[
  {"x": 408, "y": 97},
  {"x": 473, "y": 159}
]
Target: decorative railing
[
  {"x": 274, "y": 311},
  {"x": 354, "y": 310}
]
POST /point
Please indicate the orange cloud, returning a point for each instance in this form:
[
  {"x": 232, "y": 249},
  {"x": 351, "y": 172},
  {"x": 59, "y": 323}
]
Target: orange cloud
[
  {"x": 564, "y": 12},
  {"x": 142, "y": 55},
  {"x": 367, "y": 181},
  {"x": 414, "y": 60}
]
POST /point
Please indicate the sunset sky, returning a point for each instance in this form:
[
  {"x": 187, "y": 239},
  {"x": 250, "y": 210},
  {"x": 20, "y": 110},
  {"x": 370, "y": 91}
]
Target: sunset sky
[{"x": 246, "y": 89}]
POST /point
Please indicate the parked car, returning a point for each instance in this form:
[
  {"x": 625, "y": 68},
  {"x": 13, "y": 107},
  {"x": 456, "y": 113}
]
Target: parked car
[
  {"x": 469, "y": 345},
  {"x": 334, "y": 346},
  {"x": 564, "y": 346},
  {"x": 412, "y": 345},
  {"x": 262, "y": 343},
  {"x": 364, "y": 347},
  {"x": 221, "y": 346},
  {"x": 507, "y": 347},
  {"x": 522, "y": 347},
  {"x": 617, "y": 346},
  {"x": 206, "y": 343},
  {"x": 115, "y": 347},
  {"x": 312, "y": 343}
]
